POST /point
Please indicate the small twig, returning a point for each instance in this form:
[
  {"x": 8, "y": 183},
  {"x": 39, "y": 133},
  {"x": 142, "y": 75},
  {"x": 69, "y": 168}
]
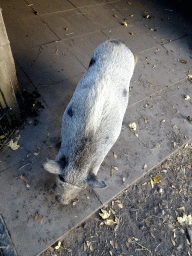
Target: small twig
[
  {"x": 23, "y": 166},
  {"x": 143, "y": 247}
]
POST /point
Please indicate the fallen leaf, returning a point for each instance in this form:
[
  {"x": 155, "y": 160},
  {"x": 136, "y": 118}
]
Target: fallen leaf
[
  {"x": 115, "y": 16},
  {"x": 173, "y": 242},
  {"x": 131, "y": 15},
  {"x": 116, "y": 168},
  {"x": 145, "y": 120},
  {"x": 109, "y": 222},
  {"x": 23, "y": 178},
  {"x": 112, "y": 243},
  {"x": 136, "y": 134},
  {"x": 190, "y": 78},
  {"x": 157, "y": 179},
  {"x": 114, "y": 155},
  {"x": 123, "y": 180},
  {"x": 120, "y": 205},
  {"x": 2, "y": 137},
  {"x": 131, "y": 33},
  {"x": 152, "y": 85},
  {"x": 187, "y": 97},
  {"x": 163, "y": 121},
  {"x": 129, "y": 3},
  {"x": 89, "y": 245},
  {"x": 145, "y": 166},
  {"x": 152, "y": 183},
  {"x": 42, "y": 219},
  {"x": 133, "y": 126},
  {"x": 36, "y": 153},
  {"x": 75, "y": 202},
  {"x": 182, "y": 208},
  {"x": 124, "y": 24},
  {"x": 37, "y": 217},
  {"x": 88, "y": 197},
  {"x": 104, "y": 215},
  {"x": 58, "y": 246},
  {"x": 112, "y": 210},
  {"x": 189, "y": 118},
  {"x": 184, "y": 61},
  {"x": 185, "y": 220},
  {"x": 13, "y": 145}
]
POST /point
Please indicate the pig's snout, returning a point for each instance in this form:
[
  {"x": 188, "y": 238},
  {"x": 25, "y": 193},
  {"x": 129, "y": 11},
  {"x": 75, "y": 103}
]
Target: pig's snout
[{"x": 60, "y": 200}]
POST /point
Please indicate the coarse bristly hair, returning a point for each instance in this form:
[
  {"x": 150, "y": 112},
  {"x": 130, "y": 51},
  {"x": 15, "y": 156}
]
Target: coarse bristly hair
[{"x": 93, "y": 118}]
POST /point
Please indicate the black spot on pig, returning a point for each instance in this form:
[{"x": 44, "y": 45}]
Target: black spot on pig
[
  {"x": 63, "y": 162},
  {"x": 115, "y": 41},
  {"x": 70, "y": 112},
  {"x": 61, "y": 177},
  {"x": 92, "y": 62},
  {"x": 125, "y": 93}
]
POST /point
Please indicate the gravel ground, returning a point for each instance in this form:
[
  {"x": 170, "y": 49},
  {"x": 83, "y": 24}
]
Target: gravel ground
[{"x": 144, "y": 219}]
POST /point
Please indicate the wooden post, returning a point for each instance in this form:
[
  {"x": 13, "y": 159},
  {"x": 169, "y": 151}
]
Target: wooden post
[{"x": 8, "y": 80}]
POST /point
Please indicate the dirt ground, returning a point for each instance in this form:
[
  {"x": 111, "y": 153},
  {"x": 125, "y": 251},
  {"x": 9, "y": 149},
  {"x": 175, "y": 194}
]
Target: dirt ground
[{"x": 151, "y": 217}]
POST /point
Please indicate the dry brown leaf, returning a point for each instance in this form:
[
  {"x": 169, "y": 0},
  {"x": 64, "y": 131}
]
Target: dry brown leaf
[
  {"x": 145, "y": 166},
  {"x": 13, "y": 145},
  {"x": 114, "y": 155},
  {"x": 184, "y": 61},
  {"x": 109, "y": 222},
  {"x": 89, "y": 245},
  {"x": 152, "y": 183},
  {"x": 58, "y": 246},
  {"x": 42, "y": 219},
  {"x": 119, "y": 204},
  {"x": 157, "y": 179},
  {"x": 124, "y": 24},
  {"x": 116, "y": 168},
  {"x": 132, "y": 126},
  {"x": 185, "y": 220},
  {"x": 75, "y": 202},
  {"x": 190, "y": 78},
  {"x": 173, "y": 242},
  {"x": 23, "y": 178},
  {"x": 37, "y": 217},
  {"x": 187, "y": 97},
  {"x": 104, "y": 215}
]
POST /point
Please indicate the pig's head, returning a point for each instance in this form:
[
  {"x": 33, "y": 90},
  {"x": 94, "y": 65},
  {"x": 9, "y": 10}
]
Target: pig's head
[{"x": 66, "y": 190}]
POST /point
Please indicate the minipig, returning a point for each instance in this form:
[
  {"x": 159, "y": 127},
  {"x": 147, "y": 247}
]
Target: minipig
[{"x": 92, "y": 121}]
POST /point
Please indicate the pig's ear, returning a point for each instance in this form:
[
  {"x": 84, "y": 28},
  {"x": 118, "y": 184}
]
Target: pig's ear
[
  {"x": 93, "y": 182},
  {"x": 52, "y": 166}
]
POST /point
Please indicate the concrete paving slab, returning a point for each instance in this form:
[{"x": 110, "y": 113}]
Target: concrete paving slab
[
  {"x": 44, "y": 7},
  {"x": 49, "y": 64},
  {"x": 31, "y": 214},
  {"x": 175, "y": 96},
  {"x": 157, "y": 68},
  {"x": 15, "y": 10},
  {"x": 103, "y": 16},
  {"x": 84, "y": 3},
  {"x": 137, "y": 41},
  {"x": 83, "y": 46},
  {"x": 68, "y": 24},
  {"x": 28, "y": 32},
  {"x": 63, "y": 92},
  {"x": 162, "y": 18}
]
